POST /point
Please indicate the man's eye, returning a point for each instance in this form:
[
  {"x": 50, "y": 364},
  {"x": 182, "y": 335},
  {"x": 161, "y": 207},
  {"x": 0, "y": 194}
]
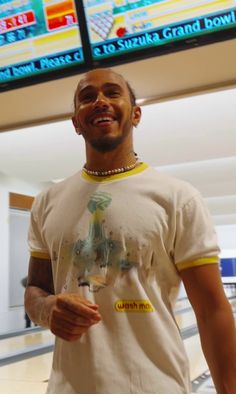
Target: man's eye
[
  {"x": 113, "y": 93},
  {"x": 86, "y": 98}
]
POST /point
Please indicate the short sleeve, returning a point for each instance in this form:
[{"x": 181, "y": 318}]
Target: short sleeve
[
  {"x": 196, "y": 240},
  {"x": 37, "y": 246}
]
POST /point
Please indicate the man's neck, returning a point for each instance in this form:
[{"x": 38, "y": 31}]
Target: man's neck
[{"x": 117, "y": 158}]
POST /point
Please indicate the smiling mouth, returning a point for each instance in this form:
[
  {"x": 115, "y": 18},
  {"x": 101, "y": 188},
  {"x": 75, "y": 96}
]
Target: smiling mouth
[{"x": 103, "y": 121}]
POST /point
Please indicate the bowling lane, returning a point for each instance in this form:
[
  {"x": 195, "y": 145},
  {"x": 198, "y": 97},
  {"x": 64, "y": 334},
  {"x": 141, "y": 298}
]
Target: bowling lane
[
  {"x": 186, "y": 319},
  {"x": 25, "y": 343},
  {"x": 27, "y": 376}
]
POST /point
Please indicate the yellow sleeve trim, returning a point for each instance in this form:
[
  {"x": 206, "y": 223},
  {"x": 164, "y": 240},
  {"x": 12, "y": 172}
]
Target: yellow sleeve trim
[
  {"x": 40, "y": 255},
  {"x": 198, "y": 262}
]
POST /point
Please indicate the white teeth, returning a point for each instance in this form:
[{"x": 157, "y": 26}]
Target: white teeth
[{"x": 102, "y": 119}]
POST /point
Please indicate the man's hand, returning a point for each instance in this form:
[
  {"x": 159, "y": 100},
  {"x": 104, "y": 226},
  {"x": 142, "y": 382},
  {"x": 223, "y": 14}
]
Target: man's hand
[
  {"x": 71, "y": 315},
  {"x": 68, "y": 315}
]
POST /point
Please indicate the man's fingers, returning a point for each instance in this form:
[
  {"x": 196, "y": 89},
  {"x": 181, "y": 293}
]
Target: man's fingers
[
  {"x": 72, "y": 315},
  {"x": 70, "y": 319},
  {"x": 79, "y": 307},
  {"x": 69, "y": 326}
]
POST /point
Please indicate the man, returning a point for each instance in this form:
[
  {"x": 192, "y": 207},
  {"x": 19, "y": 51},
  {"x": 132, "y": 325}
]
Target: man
[{"x": 109, "y": 247}]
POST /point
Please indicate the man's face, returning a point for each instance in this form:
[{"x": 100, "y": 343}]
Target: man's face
[{"x": 104, "y": 114}]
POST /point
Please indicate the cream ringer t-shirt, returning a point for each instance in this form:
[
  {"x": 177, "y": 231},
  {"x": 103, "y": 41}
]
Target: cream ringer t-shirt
[{"x": 120, "y": 241}]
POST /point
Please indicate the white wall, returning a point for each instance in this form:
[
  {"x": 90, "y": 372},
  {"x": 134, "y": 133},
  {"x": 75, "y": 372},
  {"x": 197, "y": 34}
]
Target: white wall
[
  {"x": 19, "y": 254},
  {"x": 4, "y": 249},
  {"x": 7, "y": 185},
  {"x": 16, "y": 185}
]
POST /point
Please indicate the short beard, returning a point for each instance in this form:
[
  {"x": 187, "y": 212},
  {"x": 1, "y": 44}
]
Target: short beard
[{"x": 106, "y": 144}]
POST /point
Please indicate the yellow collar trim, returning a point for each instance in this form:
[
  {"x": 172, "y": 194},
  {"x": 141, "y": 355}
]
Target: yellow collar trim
[{"x": 109, "y": 178}]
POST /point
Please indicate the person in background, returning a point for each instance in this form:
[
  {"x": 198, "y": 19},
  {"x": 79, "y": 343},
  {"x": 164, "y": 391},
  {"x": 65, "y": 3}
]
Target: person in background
[
  {"x": 109, "y": 247},
  {"x": 27, "y": 319}
]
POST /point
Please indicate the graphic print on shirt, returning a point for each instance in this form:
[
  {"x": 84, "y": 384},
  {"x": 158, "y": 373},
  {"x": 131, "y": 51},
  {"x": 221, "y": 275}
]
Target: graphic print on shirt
[{"x": 99, "y": 258}]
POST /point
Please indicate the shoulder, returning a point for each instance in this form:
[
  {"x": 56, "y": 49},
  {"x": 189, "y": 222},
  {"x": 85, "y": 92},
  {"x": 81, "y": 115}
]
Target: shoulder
[
  {"x": 49, "y": 195},
  {"x": 172, "y": 189}
]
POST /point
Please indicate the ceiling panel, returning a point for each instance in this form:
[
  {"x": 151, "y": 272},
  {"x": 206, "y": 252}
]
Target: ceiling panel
[{"x": 159, "y": 78}]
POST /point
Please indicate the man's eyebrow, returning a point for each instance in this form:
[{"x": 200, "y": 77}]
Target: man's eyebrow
[
  {"x": 105, "y": 85},
  {"x": 112, "y": 84},
  {"x": 88, "y": 87}
]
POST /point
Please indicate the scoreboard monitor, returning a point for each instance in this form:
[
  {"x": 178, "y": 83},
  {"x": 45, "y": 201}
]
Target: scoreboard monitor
[
  {"x": 38, "y": 38},
  {"x": 122, "y": 28}
]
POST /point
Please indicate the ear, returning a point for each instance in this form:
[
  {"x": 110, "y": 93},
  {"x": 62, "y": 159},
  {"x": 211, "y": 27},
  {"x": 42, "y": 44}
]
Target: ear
[
  {"x": 76, "y": 125},
  {"x": 136, "y": 115}
]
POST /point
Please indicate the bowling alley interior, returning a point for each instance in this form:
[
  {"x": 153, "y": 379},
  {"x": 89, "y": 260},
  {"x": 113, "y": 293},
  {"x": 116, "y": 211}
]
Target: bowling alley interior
[{"x": 187, "y": 94}]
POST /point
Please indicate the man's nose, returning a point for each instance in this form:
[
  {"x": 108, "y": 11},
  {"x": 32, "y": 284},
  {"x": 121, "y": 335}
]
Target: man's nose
[{"x": 101, "y": 101}]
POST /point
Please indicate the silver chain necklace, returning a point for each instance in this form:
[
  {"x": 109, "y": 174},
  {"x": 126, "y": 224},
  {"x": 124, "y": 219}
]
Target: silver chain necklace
[{"x": 111, "y": 172}]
